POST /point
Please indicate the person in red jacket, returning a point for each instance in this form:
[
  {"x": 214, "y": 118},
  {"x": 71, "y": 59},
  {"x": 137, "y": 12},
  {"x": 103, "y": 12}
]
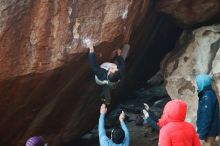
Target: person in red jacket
[{"x": 174, "y": 131}]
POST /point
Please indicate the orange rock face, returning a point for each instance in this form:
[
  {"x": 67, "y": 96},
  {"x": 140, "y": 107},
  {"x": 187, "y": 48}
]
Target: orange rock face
[
  {"x": 37, "y": 36},
  {"x": 46, "y": 86},
  {"x": 191, "y": 12}
]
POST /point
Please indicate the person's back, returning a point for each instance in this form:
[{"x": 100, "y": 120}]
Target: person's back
[
  {"x": 175, "y": 131},
  {"x": 180, "y": 134},
  {"x": 212, "y": 115},
  {"x": 109, "y": 142}
]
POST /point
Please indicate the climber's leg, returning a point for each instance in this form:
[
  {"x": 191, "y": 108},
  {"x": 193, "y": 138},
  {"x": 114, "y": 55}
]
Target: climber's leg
[
  {"x": 125, "y": 51},
  {"x": 106, "y": 97}
]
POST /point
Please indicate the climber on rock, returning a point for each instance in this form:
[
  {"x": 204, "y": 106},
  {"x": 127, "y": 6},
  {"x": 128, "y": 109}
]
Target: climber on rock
[{"x": 108, "y": 74}]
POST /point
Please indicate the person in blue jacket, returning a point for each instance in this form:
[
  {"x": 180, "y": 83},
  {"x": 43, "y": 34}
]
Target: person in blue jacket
[
  {"x": 119, "y": 135},
  {"x": 208, "y": 111}
]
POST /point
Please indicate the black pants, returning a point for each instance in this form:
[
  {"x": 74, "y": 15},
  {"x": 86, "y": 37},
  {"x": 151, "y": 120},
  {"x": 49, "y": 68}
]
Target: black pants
[{"x": 106, "y": 95}]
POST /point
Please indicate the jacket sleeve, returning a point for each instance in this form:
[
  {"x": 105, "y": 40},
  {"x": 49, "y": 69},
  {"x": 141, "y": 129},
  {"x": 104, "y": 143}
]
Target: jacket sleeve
[
  {"x": 204, "y": 116},
  {"x": 103, "y": 139},
  {"x": 124, "y": 127},
  {"x": 95, "y": 67},
  {"x": 196, "y": 141},
  {"x": 92, "y": 62},
  {"x": 153, "y": 116},
  {"x": 152, "y": 123},
  {"x": 164, "y": 138}
]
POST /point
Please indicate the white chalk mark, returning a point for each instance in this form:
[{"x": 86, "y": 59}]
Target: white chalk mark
[
  {"x": 86, "y": 40},
  {"x": 125, "y": 14}
]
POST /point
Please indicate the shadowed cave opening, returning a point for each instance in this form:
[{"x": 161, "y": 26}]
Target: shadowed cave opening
[{"x": 152, "y": 44}]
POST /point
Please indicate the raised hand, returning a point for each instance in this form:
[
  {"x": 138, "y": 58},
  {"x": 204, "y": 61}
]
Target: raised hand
[
  {"x": 103, "y": 109},
  {"x": 146, "y": 106},
  {"x": 89, "y": 44},
  {"x": 122, "y": 116},
  {"x": 146, "y": 114}
]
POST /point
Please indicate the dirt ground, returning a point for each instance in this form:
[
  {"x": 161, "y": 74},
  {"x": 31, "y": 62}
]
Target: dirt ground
[{"x": 141, "y": 135}]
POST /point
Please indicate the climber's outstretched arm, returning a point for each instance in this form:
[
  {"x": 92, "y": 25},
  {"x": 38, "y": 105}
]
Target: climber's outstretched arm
[
  {"x": 96, "y": 69},
  {"x": 92, "y": 58},
  {"x": 92, "y": 62}
]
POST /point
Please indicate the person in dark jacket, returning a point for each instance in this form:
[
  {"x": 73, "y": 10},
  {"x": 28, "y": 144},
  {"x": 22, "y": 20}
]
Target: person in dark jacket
[
  {"x": 108, "y": 74},
  {"x": 150, "y": 118},
  {"x": 208, "y": 111}
]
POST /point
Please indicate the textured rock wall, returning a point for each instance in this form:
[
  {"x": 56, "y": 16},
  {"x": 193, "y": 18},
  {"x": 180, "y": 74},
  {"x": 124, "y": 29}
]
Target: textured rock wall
[
  {"x": 46, "y": 86},
  {"x": 190, "y": 13},
  {"x": 196, "y": 52},
  {"x": 37, "y": 36}
]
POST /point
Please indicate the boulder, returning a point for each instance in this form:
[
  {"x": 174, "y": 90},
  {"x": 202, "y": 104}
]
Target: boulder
[
  {"x": 196, "y": 52},
  {"x": 190, "y": 13},
  {"x": 46, "y": 85}
]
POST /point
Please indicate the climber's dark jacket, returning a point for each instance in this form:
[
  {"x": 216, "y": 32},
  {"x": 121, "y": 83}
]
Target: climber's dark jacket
[{"x": 101, "y": 73}]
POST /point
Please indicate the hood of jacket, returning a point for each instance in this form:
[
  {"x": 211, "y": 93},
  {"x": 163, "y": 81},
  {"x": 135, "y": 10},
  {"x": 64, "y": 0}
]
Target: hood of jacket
[
  {"x": 174, "y": 111},
  {"x": 203, "y": 81}
]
